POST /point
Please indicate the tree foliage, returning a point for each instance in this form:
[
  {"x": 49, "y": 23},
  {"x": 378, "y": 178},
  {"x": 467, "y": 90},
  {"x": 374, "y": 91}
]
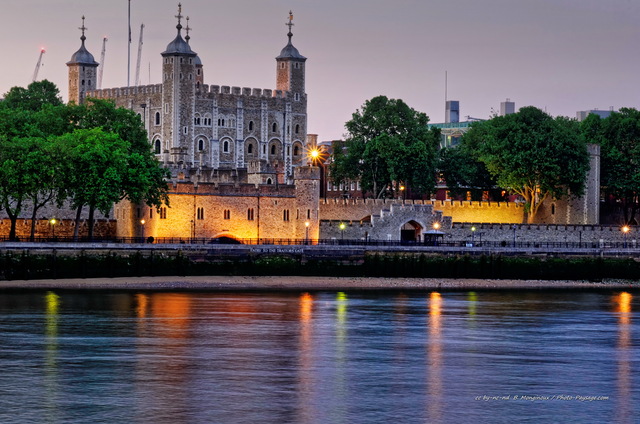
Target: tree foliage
[
  {"x": 93, "y": 155},
  {"x": 463, "y": 171},
  {"x": 388, "y": 144},
  {"x": 533, "y": 155},
  {"x": 619, "y": 139}
]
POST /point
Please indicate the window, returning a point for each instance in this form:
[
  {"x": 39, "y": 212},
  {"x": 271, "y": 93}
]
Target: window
[
  {"x": 157, "y": 120},
  {"x": 227, "y": 214},
  {"x": 201, "y": 145},
  {"x": 196, "y": 120},
  {"x": 282, "y": 65},
  {"x": 297, "y": 128},
  {"x": 273, "y": 149},
  {"x": 163, "y": 213},
  {"x": 269, "y": 182},
  {"x": 185, "y": 130},
  {"x": 250, "y": 214},
  {"x": 199, "y": 71},
  {"x": 200, "y": 213},
  {"x": 297, "y": 65},
  {"x": 285, "y": 215},
  {"x": 296, "y": 150},
  {"x": 250, "y": 149},
  {"x": 166, "y": 108},
  {"x": 225, "y": 146},
  {"x": 296, "y": 97},
  {"x": 250, "y": 125},
  {"x": 274, "y": 127},
  {"x": 150, "y": 213},
  {"x": 157, "y": 146},
  {"x": 308, "y": 213}
]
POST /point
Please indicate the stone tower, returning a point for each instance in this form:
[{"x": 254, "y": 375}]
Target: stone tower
[
  {"x": 82, "y": 72},
  {"x": 178, "y": 92},
  {"x": 290, "y": 67}
]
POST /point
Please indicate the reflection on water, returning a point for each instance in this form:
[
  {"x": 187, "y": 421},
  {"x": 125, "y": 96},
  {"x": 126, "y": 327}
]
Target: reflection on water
[
  {"x": 434, "y": 385},
  {"x": 623, "y": 308},
  {"x": 319, "y": 357}
]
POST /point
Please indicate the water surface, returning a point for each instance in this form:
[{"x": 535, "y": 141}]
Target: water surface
[{"x": 449, "y": 357}]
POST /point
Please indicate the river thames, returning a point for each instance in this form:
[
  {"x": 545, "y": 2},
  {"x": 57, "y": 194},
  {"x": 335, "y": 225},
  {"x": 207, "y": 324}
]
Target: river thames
[{"x": 323, "y": 357}]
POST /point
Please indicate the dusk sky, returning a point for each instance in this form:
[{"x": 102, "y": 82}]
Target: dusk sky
[{"x": 558, "y": 55}]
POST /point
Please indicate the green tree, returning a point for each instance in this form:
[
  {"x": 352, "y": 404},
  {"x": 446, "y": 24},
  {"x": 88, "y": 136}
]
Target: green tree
[
  {"x": 533, "y": 155},
  {"x": 27, "y": 117},
  {"x": 34, "y": 97},
  {"x": 143, "y": 180},
  {"x": 388, "y": 144},
  {"x": 619, "y": 139},
  {"x": 96, "y": 165},
  {"x": 463, "y": 171}
]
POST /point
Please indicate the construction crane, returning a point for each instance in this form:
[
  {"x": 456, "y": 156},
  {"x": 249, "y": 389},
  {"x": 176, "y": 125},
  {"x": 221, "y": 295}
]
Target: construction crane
[
  {"x": 139, "y": 56},
  {"x": 35, "y": 73},
  {"x": 101, "y": 68}
]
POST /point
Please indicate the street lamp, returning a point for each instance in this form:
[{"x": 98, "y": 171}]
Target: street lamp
[
  {"x": 53, "y": 223},
  {"x": 473, "y": 235},
  {"x": 142, "y": 221},
  {"x": 306, "y": 232},
  {"x": 625, "y": 231},
  {"x": 342, "y": 226},
  {"x": 436, "y": 225}
]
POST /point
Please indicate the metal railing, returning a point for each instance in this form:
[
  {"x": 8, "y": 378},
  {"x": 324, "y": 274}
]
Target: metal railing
[{"x": 449, "y": 243}]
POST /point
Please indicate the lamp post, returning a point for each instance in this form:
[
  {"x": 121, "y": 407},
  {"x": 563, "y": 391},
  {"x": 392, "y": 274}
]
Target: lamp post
[
  {"x": 514, "y": 234},
  {"x": 306, "y": 232},
  {"x": 53, "y": 223},
  {"x": 625, "y": 231},
  {"x": 142, "y": 221},
  {"x": 342, "y": 227},
  {"x": 473, "y": 235}
]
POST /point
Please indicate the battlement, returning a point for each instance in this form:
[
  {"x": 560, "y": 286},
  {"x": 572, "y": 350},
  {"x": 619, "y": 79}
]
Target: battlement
[
  {"x": 245, "y": 91},
  {"x": 113, "y": 93},
  {"x": 232, "y": 189}
]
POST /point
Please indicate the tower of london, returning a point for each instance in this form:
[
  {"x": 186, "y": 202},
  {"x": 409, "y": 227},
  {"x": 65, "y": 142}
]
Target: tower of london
[{"x": 231, "y": 150}]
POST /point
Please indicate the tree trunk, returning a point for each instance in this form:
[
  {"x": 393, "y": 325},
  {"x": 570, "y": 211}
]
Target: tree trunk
[
  {"x": 91, "y": 212},
  {"x": 32, "y": 236},
  {"x": 77, "y": 226}
]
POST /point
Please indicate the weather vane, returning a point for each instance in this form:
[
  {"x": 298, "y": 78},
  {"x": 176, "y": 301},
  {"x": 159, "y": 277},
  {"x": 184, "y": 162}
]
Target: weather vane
[
  {"x": 290, "y": 23},
  {"x": 179, "y": 15}
]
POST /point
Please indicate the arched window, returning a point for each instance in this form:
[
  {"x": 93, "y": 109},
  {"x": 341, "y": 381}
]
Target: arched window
[
  {"x": 285, "y": 215},
  {"x": 274, "y": 127},
  {"x": 225, "y": 146},
  {"x": 227, "y": 214},
  {"x": 157, "y": 146},
  {"x": 269, "y": 181},
  {"x": 157, "y": 121},
  {"x": 250, "y": 148},
  {"x": 200, "y": 144},
  {"x": 297, "y": 128},
  {"x": 273, "y": 149},
  {"x": 250, "y": 125},
  {"x": 296, "y": 150},
  {"x": 196, "y": 120},
  {"x": 250, "y": 214}
]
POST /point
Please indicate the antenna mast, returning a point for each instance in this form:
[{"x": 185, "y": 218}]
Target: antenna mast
[
  {"x": 35, "y": 73},
  {"x": 139, "y": 56},
  {"x": 101, "y": 68}
]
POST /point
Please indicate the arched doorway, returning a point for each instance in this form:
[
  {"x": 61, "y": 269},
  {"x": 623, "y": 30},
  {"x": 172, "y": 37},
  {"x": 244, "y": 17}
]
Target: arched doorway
[{"x": 410, "y": 232}]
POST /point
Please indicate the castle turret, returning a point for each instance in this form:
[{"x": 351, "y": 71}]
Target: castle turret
[
  {"x": 82, "y": 71},
  {"x": 179, "y": 69},
  {"x": 290, "y": 67}
]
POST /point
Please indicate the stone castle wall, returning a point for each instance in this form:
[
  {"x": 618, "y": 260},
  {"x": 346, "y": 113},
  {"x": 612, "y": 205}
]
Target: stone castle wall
[
  {"x": 62, "y": 228},
  {"x": 459, "y": 211}
]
